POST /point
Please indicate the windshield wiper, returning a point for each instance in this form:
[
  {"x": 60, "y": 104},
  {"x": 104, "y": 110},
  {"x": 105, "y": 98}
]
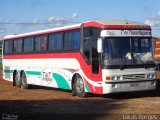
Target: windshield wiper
[
  {"x": 123, "y": 66},
  {"x": 146, "y": 64}
]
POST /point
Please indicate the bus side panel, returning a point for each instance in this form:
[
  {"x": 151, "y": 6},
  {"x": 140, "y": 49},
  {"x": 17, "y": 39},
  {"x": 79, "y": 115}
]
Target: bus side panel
[{"x": 43, "y": 69}]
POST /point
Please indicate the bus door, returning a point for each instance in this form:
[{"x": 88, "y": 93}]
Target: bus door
[{"x": 94, "y": 56}]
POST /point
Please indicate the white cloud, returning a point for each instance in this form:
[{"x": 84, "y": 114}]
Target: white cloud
[
  {"x": 50, "y": 19},
  {"x": 74, "y": 16},
  {"x": 154, "y": 20},
  {"x": 60, "y": 21},
  {"x": 35, "y": 24},
  {"x": 2, "y": 31},
  {"x": 35, "y": 21},
  {"x": 55, "y": 19},
  {"x": 149, "y": 22},
  {"x": 5, "y": 21}
]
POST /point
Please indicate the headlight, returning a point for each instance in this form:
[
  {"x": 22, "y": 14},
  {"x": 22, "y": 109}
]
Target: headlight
[
  {"x": 151, "y": 76},
  {"x": 116, "y": 78},
  {"x": 148, "y": 76},
  {"x": 113, "y": 78}
]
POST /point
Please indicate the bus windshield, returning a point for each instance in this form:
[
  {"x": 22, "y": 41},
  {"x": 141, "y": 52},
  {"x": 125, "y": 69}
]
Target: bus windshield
[{"x": 127, "y": 51}]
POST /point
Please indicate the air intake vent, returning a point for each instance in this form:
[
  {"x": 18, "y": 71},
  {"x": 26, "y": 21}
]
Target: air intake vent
[{"x": 134, "y": 77}]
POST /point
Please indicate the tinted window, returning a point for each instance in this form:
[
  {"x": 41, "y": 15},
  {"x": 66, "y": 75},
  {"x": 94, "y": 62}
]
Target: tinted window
[
  {"x": 68, "y": 41},
  {"x": 86, "y": 48},
  {"x": 86, "y": 42},
  {"x": 72, "y": 40},
  {"x": 28, "y": 44},
  {"x": 141, "y": 44},
  {"x": 59, "y": 38},
  {"x": 87, "y": 32},
  {"x": 76, "y": 39},
  {"x": 90, "y": 34},
  {"x": 51, "y": 42},
  {"x": 8, "y": 46},
  {"x": 17, "y": 46},
  {"x": 41, "y": 43},
  {"x": 55, "y": 41}
]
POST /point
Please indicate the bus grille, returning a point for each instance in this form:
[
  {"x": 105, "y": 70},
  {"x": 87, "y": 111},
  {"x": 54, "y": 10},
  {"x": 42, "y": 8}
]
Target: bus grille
[{"x": 134, "y": 77}]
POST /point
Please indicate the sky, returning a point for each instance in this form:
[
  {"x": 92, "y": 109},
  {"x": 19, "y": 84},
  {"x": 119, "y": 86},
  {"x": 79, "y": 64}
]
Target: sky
[{"x": 20, "y": 16}]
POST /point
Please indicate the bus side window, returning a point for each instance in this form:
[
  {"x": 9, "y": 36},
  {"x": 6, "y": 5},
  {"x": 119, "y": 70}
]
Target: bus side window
[
  {"x": 8, "y": 45},
  {"x": 76, "y": 39},
  {"x": 41, "y": 43},
  {"x": 28, "y": 44},
  {"x": 17, "y": 46},
  {"x": 55, "y": 41},
  {"x": 72, "y": 40}
]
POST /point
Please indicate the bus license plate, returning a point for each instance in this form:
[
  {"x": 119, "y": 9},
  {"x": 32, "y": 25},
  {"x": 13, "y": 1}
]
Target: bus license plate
[{"x": 134, "y": 85}]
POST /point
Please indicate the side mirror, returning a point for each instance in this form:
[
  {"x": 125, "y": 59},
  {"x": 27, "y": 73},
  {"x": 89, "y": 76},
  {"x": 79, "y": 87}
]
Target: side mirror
[{"x": 99, "y": 45}]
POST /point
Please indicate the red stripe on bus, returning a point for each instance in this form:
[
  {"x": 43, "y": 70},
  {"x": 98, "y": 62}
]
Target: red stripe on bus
[
  {"x": 94, "y": 89},
  {"x": 87, "y": 69}
]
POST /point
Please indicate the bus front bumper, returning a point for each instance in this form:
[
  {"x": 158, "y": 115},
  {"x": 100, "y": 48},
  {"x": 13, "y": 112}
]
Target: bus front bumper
[{"x": 128, "y": 86}]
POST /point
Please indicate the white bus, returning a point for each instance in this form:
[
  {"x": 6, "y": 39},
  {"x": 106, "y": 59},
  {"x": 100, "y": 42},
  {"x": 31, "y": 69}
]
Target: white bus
[{"x": 98, "y": 57}]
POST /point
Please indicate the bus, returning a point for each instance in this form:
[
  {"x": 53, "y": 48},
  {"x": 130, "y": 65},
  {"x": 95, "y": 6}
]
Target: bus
[
  {"x": 156, "y": 54},
  {"x": 97, "y": 57}
]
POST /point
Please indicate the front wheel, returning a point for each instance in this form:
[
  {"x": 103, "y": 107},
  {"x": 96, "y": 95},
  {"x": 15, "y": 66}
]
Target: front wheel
[{"x": 78, "y": 87}]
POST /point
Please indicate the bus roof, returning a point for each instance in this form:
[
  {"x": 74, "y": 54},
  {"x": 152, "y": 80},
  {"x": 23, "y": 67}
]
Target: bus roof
[
  {"x": 119, "y": 22},
  {"x": 104, "y": 24},
  {"x": 13, "y": 36}
]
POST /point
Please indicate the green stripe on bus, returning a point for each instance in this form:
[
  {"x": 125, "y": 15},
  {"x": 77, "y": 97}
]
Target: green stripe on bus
[
  {"x": 87, "y": 88},
  {"x": 8, "y": 71},
  {"x": 33, "y": 73},
  {"x": 61, "y": 82}
]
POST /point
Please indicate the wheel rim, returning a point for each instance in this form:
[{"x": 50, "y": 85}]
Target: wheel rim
[
  {"x": 17, "y": 78},
  {"x": 79, "y": 85},
  {"x": 23, "y": 79}
]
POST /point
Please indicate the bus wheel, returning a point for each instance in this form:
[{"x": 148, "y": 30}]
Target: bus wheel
[
  {"x": 79, "y": 87},
  {"x": 17, "y": 79},
  {"x": 24, "y": 84}
]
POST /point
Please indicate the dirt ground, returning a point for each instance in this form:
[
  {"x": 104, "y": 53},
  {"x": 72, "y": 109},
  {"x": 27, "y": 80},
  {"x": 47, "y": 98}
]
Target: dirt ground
[{"x": 41, "y": 103}]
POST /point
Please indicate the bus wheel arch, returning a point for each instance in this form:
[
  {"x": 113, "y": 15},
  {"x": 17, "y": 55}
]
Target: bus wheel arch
[{"x": 76, "y": 79}]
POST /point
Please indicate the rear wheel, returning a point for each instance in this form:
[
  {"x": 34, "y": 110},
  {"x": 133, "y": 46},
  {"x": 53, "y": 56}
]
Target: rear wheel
[
  {"x": 24, "y": 84},
  {"x": 78, "y": 86},
  {"x": 17, "y": 79}
]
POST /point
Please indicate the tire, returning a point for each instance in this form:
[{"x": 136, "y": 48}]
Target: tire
[
  {"x": 78, "y": 87},
  {"x": 17, "y": 79},
  {"x": 24, "y": 84}
]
